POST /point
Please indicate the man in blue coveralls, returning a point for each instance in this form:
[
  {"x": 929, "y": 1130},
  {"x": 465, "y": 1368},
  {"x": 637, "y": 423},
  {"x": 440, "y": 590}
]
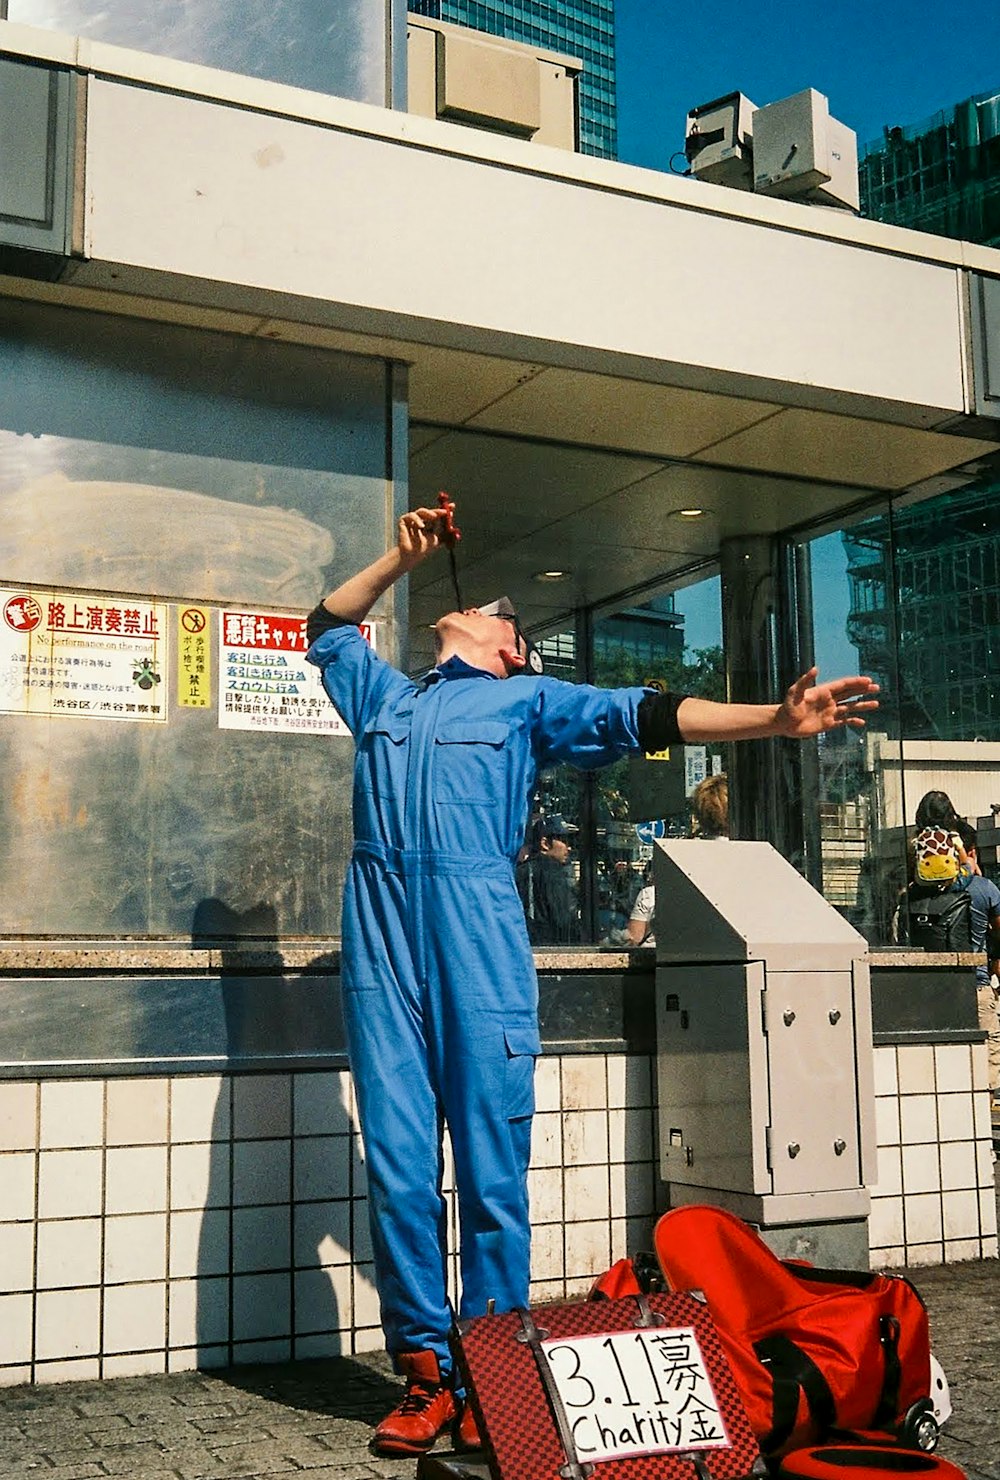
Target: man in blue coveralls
[{"x": 439, "y": 986}]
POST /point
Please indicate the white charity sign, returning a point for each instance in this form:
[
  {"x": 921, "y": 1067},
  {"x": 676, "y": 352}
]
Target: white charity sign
[
  {"x": 265, "y": 682},
  {"x": 636, "y": 1392},
  {"x": 74, "y": 655}
]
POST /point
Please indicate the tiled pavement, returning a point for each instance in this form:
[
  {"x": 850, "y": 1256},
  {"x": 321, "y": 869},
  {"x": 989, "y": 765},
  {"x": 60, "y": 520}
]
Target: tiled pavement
[{"x": 314, "y": 1419}]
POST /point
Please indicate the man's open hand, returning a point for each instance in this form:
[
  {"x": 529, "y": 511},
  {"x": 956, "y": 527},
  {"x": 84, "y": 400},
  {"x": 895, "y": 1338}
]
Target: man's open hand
[{"x": 810, "y": 708}]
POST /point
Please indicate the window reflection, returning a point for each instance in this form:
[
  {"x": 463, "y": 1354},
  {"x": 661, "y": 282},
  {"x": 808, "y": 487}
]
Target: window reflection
[
  {"x": 674, "y": 641},
  {"x": 337, "y": 49},
  {"x": 910, "y": 595}
]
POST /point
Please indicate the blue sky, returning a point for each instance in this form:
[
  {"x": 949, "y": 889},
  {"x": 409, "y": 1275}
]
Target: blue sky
[{"x": 879, "y": 64}]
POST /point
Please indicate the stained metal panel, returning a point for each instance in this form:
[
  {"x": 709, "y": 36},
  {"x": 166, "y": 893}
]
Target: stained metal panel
[
  {"x": 193, "y": 468},
  {"x": 140, "y": 1025},
  {"x": 736, "y": 901}
]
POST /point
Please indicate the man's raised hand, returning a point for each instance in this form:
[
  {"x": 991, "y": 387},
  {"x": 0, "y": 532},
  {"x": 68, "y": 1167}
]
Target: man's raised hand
[{"x": 419, "y": 534}]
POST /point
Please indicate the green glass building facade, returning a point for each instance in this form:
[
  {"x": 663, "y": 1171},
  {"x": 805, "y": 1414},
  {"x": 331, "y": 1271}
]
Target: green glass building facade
[{"x": 927, "y": 584}]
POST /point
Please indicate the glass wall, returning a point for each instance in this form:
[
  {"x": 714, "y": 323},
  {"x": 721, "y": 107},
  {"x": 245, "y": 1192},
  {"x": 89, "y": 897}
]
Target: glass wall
[
  {"x": 171, "y": 504},
  {"x": 343, "y": 48},
  {"x": 673, "y": 641},
  {"x": 911, "y": 595}
]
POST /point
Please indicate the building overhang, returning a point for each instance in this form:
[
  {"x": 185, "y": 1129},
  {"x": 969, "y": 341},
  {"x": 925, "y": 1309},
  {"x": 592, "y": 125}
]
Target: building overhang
[{"x": 592, "y": 347}]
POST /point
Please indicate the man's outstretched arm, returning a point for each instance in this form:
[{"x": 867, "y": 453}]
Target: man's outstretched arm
[{"x": 807, "y": 709}]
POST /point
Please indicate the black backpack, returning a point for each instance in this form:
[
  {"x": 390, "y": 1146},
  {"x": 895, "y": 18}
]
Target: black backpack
[{"x": 940, "y": 919}]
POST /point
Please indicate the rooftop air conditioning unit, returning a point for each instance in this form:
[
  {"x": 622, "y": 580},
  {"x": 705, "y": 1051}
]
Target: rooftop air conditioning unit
[
  {"x": 800, "y": 152},
  {"x": 719, "y": 141}
]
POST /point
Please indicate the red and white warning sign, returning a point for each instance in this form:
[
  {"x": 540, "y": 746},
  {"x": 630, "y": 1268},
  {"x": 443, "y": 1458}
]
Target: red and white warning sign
[
  {"x": 81, "y": 656},
  {"x": 265, "y": 682},
  {"x": 22, "y": 613}
]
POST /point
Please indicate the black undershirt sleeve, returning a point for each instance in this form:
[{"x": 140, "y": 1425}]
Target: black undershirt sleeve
[
  {"x": 657, "y": 721},
  {"x": 320, "y": 620}
]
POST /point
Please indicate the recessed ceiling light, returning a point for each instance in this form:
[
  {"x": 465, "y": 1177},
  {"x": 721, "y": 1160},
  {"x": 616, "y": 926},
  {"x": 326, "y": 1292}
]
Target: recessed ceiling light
[
  {"x": 691, "y": 513},
  {"x": 551, "y": 575}
]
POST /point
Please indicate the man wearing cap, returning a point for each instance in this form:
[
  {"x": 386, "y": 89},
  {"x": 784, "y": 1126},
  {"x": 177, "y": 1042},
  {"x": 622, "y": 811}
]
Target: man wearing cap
[
  {"x": 545, "y": 885},
  {"x": 439, "y": 987}
]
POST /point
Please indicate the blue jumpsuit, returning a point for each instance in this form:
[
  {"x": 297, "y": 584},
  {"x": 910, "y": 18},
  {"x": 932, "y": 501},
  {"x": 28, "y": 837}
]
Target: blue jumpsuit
[{"x": 439, "y": 986}]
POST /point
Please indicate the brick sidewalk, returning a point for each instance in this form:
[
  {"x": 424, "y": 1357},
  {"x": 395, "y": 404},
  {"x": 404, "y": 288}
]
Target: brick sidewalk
[{"x": 314, "y": 1419}]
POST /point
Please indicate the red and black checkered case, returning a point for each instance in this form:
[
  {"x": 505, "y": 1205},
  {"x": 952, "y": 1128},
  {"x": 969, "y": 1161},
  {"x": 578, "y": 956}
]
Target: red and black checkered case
[{"x": 515, "y": 1416}]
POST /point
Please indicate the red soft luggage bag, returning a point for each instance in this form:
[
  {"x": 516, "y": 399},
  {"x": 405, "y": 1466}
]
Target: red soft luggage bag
[{"x": 813, "y": 1351}]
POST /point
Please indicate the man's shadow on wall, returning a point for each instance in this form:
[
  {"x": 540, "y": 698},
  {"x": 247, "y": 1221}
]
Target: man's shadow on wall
[{"x": 273, "y": 1206}]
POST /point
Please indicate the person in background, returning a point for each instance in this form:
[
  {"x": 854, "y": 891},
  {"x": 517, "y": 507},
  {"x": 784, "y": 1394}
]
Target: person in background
[
  {"x": 710, "y": 807},
  {"x": 937, "y": 852},
  {"x": 709, "y": 819},
  {"x": 944, "y": 865},
  {"x": 439, "y": 989},
  {"x": 984, "y": 929},
  {"x": 545, "y": 884},
  {"x": 641, "y": 925}
]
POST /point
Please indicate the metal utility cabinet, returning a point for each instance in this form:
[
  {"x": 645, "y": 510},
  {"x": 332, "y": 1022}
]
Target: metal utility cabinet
[{"x": 764, "y": 1047}]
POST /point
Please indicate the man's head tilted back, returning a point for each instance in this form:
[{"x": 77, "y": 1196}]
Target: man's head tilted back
[{"x": 488, "y": 637}]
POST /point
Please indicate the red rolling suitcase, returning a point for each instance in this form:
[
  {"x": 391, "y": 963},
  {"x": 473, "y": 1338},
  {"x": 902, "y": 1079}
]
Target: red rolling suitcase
[{"x": 639, "y": 1387}]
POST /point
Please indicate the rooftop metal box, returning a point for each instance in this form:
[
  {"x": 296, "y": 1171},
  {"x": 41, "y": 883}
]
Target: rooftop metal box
[
  {"x": 764, "y": 1040},
  {"x": 719, "y": 141},
  {"x": 800, "y": 151}
]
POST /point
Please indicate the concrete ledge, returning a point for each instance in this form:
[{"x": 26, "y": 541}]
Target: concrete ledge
[{"x": 77, "y": 1008}]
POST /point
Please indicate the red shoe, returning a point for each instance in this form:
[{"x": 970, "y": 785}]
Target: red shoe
[
  {"x": 466, "y": 1435},
  {"x": 427, "y": 1409}
]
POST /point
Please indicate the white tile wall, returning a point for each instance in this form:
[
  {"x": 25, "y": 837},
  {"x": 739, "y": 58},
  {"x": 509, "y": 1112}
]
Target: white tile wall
[
  {"x": 262, "y": 1239},
  {"x": 136, "y": 1179},
  {"x": 935, "y": 1198},
  {"x": 137, "y": 1112},
  {"x": 135, "y": 1318},
  {"x": 15, "y": 1330},
  {"x": 17, "y": 1257},
  {"x": 69, "y": 1184},
  {"x": 200, "y": 1175},
  {"x": 18, "y": 1115},
  {"x": 72, "y": 1113},
  {"x": 161, "y": 1225},
  {"x": 69, "y": 1253},
  {"x": 200, "y": 1109},
  {"x": 262, "y": 1106},
  {"x": 135, "y": 1248}
]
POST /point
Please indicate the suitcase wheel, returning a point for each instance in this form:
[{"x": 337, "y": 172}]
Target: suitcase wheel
[{"x": 920, "y": 1429}]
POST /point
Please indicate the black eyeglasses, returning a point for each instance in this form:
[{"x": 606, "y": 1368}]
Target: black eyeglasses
[{"x": 503, "y": 608}]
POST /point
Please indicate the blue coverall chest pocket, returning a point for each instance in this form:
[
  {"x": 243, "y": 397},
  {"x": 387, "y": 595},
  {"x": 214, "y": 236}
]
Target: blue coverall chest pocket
[
  {"x": 523, "y": 1047},
  {"x": 470, "y": 762},
  {"x": 385, "y": 735}
]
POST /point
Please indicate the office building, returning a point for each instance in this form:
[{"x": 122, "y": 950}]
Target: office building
[{"x": 926, "y": 584}]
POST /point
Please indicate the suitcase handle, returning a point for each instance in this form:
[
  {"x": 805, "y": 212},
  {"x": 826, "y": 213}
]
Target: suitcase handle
[{"x": 531, "y": 1336}]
